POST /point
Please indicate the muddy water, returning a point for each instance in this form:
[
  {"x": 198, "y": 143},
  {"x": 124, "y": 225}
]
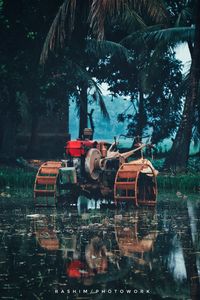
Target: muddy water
[{"x": 93, "y": 251}]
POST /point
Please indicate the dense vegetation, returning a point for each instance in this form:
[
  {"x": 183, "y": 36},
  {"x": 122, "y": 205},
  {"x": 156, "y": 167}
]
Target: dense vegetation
[
  {"x": 21, "y": 179},
  {"x": 54, "y": 52}
]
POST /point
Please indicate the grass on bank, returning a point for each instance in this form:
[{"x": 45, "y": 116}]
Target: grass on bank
[
  {"x": 16, "y": 178},
  {"x": 13, "y": 177},
  {"x": 182, "y": 182}
]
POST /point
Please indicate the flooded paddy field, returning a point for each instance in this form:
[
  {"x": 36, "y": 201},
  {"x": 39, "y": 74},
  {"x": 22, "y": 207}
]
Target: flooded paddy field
[{"x": 93, "y": 251}]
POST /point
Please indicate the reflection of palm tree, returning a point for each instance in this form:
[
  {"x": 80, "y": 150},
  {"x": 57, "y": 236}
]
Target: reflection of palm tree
[
  {"x": 183, "y": 248},
  {"x": 190, "y": 258}
]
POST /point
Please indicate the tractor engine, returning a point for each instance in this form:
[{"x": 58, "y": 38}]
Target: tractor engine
[{"x": 85, "y": 156}]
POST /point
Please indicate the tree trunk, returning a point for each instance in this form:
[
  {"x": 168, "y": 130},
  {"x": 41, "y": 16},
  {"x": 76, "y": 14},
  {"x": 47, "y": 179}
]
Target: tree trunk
[
  {"x": 1, "y": 129},
  {"x": 67, "y": 115},
  {"x": 83, "y": 110},
  {"x": 32, "y": 145},
  {"x": 141, "y": 116},
  {"x": 179, "y": 153},
  {"x": 8, "y": 136},
  {"x": 9, "y": 124},
  {"x": 91, "y": 122}
]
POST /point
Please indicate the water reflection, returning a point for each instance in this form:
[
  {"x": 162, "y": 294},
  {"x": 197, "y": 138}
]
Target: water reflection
[
  {"x": 175, "y": 259},
  {"x": 136, "y": 234},
  {"x": 44, "y": 228},
  {"x": 48, "y": 253}
]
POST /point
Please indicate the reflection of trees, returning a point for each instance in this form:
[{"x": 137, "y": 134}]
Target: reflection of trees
[
  {"x": 130, "y": 247},
  {"x": 182, "y": 246},
  {"x": 178, "y": 247},
  {"x": 190, "y": 255}
]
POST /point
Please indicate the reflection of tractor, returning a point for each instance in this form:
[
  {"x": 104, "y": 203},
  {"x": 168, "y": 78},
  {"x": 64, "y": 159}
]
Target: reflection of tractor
[
  {"x": 45, "y": 231},
  {"x": 136, "y": 234},
  {"x": 92, "y": 166},
  {"x": 93, "y": 247}
]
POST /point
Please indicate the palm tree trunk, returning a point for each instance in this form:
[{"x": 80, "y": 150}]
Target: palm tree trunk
[
  {"x": 141, "y": 115},
  {"x": 83, "y": 110},
  {"x": 189, "y": 253},
  {"x": 67, "y": 115},
  {"x": 9, "y": 122},
  {"x": 91, "y": 122},
  {"x": 179, "y": 154},
  {"x": 32, "y": 145}
]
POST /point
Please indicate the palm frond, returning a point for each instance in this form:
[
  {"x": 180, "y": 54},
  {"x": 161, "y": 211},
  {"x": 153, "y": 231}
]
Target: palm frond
[
  {"x": 138, "y": 37},
  {"x": 171, "y": 35},
  {"x": 107, "y": 48},
  {"x": 183, "y": 86},
  {"x": 183, "y": 17},
  {"x": 98, "y": 11},
  {"x": 156, "y": 9},
  {"x": 156, "y": 35},
  {"x": 58, "y": 30},
  {"x": 82, "y": 75},
  {"x": 132, "y": 20},
  {"x": 102, "y": 9},
  {"x": 97, "y": 96}
]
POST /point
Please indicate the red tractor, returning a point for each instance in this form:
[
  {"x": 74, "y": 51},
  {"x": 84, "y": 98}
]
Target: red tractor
[{"x": 98, "y": 166}]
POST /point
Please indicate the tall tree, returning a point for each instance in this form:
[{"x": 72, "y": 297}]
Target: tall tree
[
  {"x": 89, "y": 19},
  {"x": 181, "y": 145},
  {"x": 182, "y": 26},
  {"x": 24, "y": 25},
  {"x": 83, "y": 20},
  {"x": 153, "y": 89}
]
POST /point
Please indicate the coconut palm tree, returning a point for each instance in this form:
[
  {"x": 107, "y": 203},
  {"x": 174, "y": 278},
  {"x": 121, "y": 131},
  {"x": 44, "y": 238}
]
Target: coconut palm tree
[
  {"x": 186, "y": 28},
  {"x": 183, "y": 26},
  {"x": 181, "y": 145},
  {"x": 88, "y": 18},
  {"x": 81, "y": 25},
  {"x": 95, "y": 15}
]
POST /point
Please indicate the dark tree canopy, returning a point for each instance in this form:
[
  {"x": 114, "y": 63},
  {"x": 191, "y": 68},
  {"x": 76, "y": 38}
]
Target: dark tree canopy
[{"x": 127, "y": 44}]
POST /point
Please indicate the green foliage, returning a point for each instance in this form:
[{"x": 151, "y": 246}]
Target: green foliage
[
  {"x": 1, "y": 9},
  {"x": 11, "y": 177},
  {"x": 179, "y": 182},
  {"x": 94, "y": 19},
  {"x": 182, "y": 183},
  {"x": 194, "y": 164},
  {"x": 155, "y": 101},
  {"x": 17, "y": 178},
  {"x": 131, "y": 60},
  {"x": 31, "y": 35},
  {"x": 24, "y": 25}
]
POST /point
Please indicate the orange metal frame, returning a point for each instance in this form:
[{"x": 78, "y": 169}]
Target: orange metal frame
[
  {"x": 126, "y": 180},
  {"x": 46, "y": 181}
]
